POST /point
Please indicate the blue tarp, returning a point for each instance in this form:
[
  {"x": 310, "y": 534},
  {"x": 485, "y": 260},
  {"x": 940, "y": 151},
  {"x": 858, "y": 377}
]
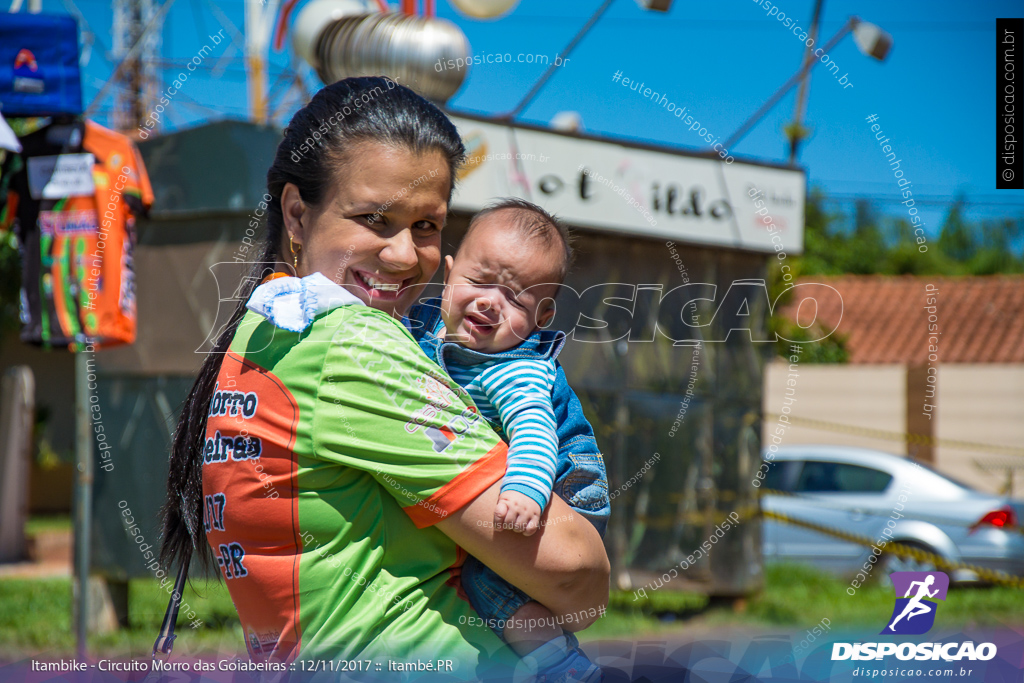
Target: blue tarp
[{"x": 39, "y": 74}]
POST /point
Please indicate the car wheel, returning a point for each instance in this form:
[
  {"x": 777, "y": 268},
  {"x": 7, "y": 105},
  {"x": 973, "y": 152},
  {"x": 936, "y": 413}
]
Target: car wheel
[{"x": 889, "y": 563}]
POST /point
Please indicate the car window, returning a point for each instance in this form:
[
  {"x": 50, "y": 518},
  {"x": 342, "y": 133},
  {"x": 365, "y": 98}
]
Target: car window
[
  {"x": 776, "y": 478},
  {"x": 837, "y": 477}
]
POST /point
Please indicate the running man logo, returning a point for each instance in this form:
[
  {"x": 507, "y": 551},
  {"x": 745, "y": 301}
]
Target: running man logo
[{"x": 919, "y": 589}]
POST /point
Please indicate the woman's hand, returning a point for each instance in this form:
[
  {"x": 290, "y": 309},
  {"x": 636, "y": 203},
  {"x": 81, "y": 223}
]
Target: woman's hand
[{"x": 564, "y": 566}]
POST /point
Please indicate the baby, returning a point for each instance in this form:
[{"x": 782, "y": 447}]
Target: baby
[{"x": 487, "y": 332}]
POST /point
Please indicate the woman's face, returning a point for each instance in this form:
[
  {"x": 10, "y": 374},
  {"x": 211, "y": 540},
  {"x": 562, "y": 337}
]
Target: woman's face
[{"x": 378, "y": 230}]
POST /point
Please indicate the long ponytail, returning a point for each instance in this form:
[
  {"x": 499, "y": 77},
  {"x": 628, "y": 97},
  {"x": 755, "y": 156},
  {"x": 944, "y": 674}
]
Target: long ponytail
[{"x": 361, "y": 109}]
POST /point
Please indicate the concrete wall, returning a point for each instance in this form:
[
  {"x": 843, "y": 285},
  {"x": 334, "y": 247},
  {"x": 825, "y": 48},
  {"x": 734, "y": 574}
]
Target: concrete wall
[
  {"x": 871, "y": 396},
  {"x": 982, "y": 403},
  {"x": 54, "y": 373},
  {"x": 979, "y": 403}
]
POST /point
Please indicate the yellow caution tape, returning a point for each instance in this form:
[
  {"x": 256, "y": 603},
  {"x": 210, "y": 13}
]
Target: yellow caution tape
[
  {"x": 698, "y": 518},
  {"x": 900, "y": 436},
  {"x": 901, "y": 550},
  {"x": 936, "y": 522}
]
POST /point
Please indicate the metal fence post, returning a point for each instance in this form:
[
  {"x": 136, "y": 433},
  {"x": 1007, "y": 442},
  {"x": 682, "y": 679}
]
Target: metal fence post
[{"x": 83, "y": 498}]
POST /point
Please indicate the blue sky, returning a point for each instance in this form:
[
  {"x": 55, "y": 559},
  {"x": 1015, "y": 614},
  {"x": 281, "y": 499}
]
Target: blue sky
[{"x": 934, "y": 96}]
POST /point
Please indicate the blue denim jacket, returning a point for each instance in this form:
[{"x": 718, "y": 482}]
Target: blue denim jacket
[{"x": 581, "y": 479}]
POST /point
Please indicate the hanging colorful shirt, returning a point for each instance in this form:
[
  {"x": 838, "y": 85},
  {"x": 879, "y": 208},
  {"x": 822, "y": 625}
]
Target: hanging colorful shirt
[{"x": 74, "y": 207}]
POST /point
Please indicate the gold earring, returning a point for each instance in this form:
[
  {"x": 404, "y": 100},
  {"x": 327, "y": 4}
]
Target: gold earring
[{"x": 295, "y": 256}]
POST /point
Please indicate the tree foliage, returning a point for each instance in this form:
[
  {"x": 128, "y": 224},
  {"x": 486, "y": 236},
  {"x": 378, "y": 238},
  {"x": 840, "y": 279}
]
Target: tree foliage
[
  {"x": 867, "y": 243},
  {"x": 880, "y": 245},
  {"x": 10, "y": 282}
]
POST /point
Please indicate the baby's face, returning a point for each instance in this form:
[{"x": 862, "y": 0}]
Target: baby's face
[{"x": 499, "y": 289}]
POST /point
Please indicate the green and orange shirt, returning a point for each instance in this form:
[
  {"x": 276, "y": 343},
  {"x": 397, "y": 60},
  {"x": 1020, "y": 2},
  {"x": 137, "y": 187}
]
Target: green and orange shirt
[{"x": 333, "y": 445}]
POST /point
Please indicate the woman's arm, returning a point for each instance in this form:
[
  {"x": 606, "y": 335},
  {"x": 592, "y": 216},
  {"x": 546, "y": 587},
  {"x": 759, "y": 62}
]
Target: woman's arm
[
  {"x": 383, "y": 407},
  {"x": 564, "y": 566}
]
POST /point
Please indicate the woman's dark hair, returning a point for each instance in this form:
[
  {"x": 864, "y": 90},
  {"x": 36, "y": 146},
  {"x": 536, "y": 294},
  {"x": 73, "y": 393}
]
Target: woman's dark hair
[{"x": 317, "y": 143}]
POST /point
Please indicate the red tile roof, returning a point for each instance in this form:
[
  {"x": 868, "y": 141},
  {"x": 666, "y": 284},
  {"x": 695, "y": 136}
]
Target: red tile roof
[{"x": 980, "y": 318}]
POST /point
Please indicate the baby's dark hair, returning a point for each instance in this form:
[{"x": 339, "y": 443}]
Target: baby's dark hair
[{"x": 532, "y": 222}]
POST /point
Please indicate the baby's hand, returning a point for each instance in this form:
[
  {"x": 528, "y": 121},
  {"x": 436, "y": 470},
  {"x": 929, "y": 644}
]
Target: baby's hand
[{"x": 518, "y": 512}]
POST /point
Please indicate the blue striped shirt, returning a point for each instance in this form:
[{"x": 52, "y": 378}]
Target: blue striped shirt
[{"x": 516, "y": 394}]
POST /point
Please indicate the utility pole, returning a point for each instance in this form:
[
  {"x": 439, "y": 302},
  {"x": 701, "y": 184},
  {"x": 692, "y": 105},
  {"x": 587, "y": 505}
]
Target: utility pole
[
  {"x": 259, "y": 24},
  {"x": 795, "y": 131},
  {"x": 871, "y": 40}
]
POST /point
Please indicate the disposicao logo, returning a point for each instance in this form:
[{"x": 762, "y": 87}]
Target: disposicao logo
[
  {"x": 25, "y": 77},
  {"x": 926, "y": 587},
  {"x": 914, "y": 614},
  {"x": 25, "y": 58}
]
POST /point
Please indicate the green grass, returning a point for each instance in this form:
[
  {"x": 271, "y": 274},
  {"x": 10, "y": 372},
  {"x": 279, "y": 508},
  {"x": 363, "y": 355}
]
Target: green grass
[
  {"x": 38, "y": 523},
  {"x": 35, "y": 615},
  {"x": 798, "y": 597}
]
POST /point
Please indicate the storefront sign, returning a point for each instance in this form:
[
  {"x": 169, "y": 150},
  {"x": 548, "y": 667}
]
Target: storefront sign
[{"x": 607, "y": 186}]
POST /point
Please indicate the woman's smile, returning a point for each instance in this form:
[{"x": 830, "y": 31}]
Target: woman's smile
[
  {"x": 379, "y": 286},
  {"x": 383, "y": 262}
]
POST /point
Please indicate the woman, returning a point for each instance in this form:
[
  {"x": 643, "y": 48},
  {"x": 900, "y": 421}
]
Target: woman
[{"x": 339, "y": 475}]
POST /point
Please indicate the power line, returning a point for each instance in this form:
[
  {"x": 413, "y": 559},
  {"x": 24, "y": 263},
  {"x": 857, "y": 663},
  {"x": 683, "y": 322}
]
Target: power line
[
  {"x": 756, "y": 24},
  {"x": 943, "y": 200}
]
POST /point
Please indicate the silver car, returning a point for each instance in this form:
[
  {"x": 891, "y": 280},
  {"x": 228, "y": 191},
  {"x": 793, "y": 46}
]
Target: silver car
[{"x": 863, "y": 492}]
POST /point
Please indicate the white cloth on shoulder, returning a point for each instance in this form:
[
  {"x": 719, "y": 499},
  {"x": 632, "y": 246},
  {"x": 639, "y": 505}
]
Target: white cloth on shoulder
[{"x": 292, "y": 303}]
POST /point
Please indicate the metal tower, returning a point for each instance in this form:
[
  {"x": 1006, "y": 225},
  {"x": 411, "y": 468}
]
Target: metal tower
[{"x": 138, "y": 85}]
